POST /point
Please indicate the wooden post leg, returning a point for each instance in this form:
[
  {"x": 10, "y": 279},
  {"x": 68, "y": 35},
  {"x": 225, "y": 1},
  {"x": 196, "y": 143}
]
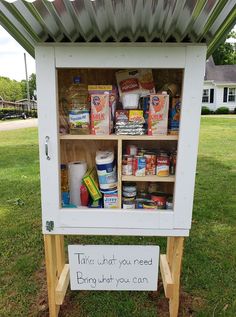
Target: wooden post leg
[
  {"x": 174, "y": 257},
  {"x": 55, "y": 257},
  {"x": 60, "y": 253}
]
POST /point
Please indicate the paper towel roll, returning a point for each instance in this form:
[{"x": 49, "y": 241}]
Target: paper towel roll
[{"x": 76, "y": 173}]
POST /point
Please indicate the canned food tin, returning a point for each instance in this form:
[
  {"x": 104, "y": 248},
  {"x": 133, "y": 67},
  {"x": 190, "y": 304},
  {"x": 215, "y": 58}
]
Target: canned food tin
[
  {"x": 143, "y": 194},
  {"x": 163, "y": 165},
  {"x": 150, "y": 163},
  {"x": 127, "y": 165},
  {"x": 169, "y": 203},
  {"x": 139, "y": 166},
  {"x": 131, "y": 149},
  {"x": 129, "y": 187},
  {"x": 141, "y": 152},
  {"x": 140, "y": 202},
  {"x": 159, "y": 199},
  {"x": 128, "y": 203},
  {"x": 129, "y": 194},
  {"x": 149, "y": 205}
]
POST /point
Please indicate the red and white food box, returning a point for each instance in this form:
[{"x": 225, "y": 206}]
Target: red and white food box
[
  {"x": 135, "y": 81},
  {"x": 158, "y": 114},
  {"x": 100, "y": 114}
]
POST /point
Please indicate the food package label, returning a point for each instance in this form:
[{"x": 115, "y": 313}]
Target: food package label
[
  {"x": 79, "y": 121},
  {"x": 174, "y": 114},
  {"x": 100, "y": 114},
  {"x": 135, "y": 81},
  {"x": 158, "y": 114},
  {"x": 91, "y": 182},
  {"x": 136, "y": 116},
  {"x": 110, "y": 200}
]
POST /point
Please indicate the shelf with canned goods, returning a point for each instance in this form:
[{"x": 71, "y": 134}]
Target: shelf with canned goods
[{"x": 108, "y": 137}]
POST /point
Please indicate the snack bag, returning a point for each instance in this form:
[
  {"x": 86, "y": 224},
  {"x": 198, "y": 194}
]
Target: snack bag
[
  {"x": 158, "y": 114},
  {"x": 100, "y": 114}
]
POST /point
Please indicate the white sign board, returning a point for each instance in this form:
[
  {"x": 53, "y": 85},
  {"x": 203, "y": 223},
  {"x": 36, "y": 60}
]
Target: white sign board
[{"x": 113, "y": 267}]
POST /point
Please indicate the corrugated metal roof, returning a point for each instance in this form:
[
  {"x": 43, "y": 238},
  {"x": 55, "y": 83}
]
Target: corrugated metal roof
[{"x": 31, "y": 22}]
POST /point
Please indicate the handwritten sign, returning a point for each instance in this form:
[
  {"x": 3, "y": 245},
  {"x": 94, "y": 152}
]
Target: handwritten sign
[{"x": 113, "y": 267}]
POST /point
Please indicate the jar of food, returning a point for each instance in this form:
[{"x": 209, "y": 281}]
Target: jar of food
[
  {"x": 128, "y": 203},
  {"x": 169, "y": 203}
]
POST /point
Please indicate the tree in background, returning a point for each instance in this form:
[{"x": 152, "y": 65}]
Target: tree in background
[
  {"x": 32, "y": 85},
  {"x": 10, "y": 89},
  {"x": 225, "y": 54},
  {"x": 13, "y": 90}
]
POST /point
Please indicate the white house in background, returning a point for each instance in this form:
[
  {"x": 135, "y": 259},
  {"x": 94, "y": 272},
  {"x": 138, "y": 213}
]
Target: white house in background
[{"x": 219, "y": 88}]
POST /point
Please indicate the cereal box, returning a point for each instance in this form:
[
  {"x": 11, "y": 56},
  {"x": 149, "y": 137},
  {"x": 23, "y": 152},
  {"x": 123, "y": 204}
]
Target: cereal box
[
  {"x": 135, "y": 81},
  {"x": 174, "y": 116},
  {"x": 113, "y": 97},
  {"x": 100, "y": 114},
  {"x": 158, "y": 114}
]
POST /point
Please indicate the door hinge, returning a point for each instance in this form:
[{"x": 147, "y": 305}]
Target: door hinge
[{"x": 49, "y": 225}]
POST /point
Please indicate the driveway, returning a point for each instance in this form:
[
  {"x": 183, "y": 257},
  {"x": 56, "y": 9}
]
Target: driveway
[{"x": 18, "y": 124}]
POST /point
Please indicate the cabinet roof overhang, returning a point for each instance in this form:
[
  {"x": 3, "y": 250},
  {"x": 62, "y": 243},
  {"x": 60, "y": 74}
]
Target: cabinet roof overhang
[{"x": 180, "y": 21}]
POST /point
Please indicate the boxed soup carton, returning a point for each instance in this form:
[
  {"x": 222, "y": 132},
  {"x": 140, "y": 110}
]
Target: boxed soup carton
[
  {"x": 158, "y": 114},
  {"x": 100, "y": 114}
]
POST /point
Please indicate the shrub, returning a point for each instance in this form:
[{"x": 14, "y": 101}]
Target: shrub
[
  {"x": 222, "y": 110},
  {"x": 12, "y": 111},
  {"x": 205, "y": 110}
]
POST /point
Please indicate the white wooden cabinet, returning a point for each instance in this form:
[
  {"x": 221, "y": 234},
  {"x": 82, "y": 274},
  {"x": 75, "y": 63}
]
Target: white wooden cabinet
[{"x": 50, "y": 59}]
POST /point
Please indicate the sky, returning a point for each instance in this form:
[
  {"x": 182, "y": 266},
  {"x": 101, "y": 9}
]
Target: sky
[{"x": 12, "y": 63}]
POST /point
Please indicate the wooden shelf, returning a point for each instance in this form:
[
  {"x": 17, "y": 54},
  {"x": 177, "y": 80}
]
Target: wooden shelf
[
  {"x": 119, "y": 137},
  {"x": 149, "y": 178}
]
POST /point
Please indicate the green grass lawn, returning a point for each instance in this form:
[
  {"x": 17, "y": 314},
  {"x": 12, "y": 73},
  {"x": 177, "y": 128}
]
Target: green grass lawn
[{"x": 208, "y": 275}]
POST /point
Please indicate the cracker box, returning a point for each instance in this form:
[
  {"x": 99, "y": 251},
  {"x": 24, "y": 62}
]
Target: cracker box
[
  {"x": 91, "y": 182},
  {"x": 135, "y": 81},
  {"x": 122, "y": 116},
  {"x": 100, "y": 114},
  {"x": 158, "y": 114}
]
